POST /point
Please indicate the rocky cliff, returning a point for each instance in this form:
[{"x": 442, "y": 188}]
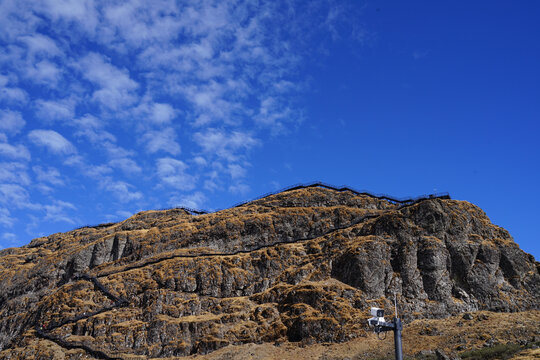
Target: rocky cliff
[{"x": 302, "y": 266}]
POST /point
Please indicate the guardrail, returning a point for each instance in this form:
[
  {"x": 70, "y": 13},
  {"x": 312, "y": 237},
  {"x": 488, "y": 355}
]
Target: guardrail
[
  {"x": 443, "y": 195},
  {"x": 192, "y": 211}
]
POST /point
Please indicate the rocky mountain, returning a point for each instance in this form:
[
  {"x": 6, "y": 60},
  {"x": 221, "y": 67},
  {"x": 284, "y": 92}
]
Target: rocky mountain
[{"x": 299, "y": 267}]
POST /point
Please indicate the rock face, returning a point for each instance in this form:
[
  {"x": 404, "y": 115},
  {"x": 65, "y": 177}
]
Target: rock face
[{"x": 302, "y": 265}]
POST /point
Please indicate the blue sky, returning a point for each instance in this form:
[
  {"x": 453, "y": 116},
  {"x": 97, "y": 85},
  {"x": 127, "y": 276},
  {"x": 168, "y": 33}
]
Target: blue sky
[{"x": 110, "y": 108}]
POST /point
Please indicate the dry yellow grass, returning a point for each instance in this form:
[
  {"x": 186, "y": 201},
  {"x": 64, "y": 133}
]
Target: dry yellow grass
[{"x": 452, "y": 335}]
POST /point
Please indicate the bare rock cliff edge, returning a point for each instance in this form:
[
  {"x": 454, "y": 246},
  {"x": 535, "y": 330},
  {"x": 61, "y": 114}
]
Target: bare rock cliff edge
[{"x": 302, "y": 266}]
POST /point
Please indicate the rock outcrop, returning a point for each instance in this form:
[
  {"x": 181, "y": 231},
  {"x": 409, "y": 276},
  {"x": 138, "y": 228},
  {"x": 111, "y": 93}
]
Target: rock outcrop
[{"x": 303, "y": 266}]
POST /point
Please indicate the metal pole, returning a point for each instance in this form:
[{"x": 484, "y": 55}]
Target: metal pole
[
  {"x": 397, "y": 338},
  {"x": 395, "y": 305}
]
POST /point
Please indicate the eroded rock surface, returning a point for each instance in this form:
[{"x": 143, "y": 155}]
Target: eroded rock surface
[{"x": 302, "y": 265}]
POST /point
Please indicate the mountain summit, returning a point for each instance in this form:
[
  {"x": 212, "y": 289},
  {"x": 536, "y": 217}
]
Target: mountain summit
[{"x": 301, "y": 266}]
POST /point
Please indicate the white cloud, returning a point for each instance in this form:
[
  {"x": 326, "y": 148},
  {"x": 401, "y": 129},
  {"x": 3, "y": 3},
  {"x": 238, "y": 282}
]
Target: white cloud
[
  {"x": 200, "y": 161},
  {"x": 273, "y": 113},
  {"x": 136, "y": 24},
  {"x": 79, "y": 12},
  {"x": 12, "y": 26},
  {"x": 171, "y": 172},
  {"x": 56, "y": 110},
  {"x": 127, "y": 165},
  {"x": 19, "y": 152},
  {"x": 96, "y": 136},
  {"x": 236, "y": 171},
  {"x": 116, "y": 152},
  {"x": 155, "y": 113},
  {"x": 88, "y": 121},
  {"x": 91, "y": 128},
  {"x": 39, "y": 44},
  {"x": 16, "y": 196},
  {"x": 162, "y": 113},
  {"x": 14, "y": 172},
  {"x": 13, "y": 95},
  {"x": 44, "y": 189},
  {"x": 210, "y": 185},
  {"x": 224, "y": 144},
  {"x": 75, "y": 160},
  {"x": 36, "y": 60},
  {"x": 11, "y": 121},
  {"x": 161, "y": 140},
  {"x": 211, "y": 102},
  {"x": 116, "y": 88},
  {"x": 56, "y": 212},
  {"x": 44, "y": 72},
  {"x": 121, "y": 189},
  {"x": 53, "y": 141},
  {"x": 96, "y": 171},
  {"x": 48, "y": 175},
  {"x": 5, "y": 218}
]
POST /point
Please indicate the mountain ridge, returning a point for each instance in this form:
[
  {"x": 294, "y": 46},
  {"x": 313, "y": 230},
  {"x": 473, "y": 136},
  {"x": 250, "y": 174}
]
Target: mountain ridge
[{"x": 309, "y": 259}]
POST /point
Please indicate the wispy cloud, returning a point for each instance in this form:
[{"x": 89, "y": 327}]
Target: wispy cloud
[
  {"x": 17, "y": 152},
  {"x": 122, "y": 191},
  {"x": 236, "y": 171},
  {"x": 127, "y": 165},
  {"x": 172, "y": 172},
  {"x": 155, "y": 113},
  {"x": 16, "y": 196},
  {"x": 114, "y": 87},
  {"x": 58, "y": 212},
  {"x": 45, "y": 72},
  {"x": 224, "y": 144},
  {"x": 69, "y": 15},
  {"x": 14, "y": 172},
  {"x": 48, "y": 175},
  {"x": 161, "y": 140},
  {"x": 6, "y": 219},
  {"x": 52, "y": 141},
  {"x": 63, "y": 109},
  {"x": 11, "y": 95},
  {"x": 39, "y": 44},
  {"x": 11, "y": 121},
  {"x": 91, "y": 128}
]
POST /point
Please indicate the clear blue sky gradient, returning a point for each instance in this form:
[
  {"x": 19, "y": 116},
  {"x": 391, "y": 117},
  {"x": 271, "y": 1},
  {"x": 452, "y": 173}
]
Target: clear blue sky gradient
[{"x": 106, "y": 111}]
